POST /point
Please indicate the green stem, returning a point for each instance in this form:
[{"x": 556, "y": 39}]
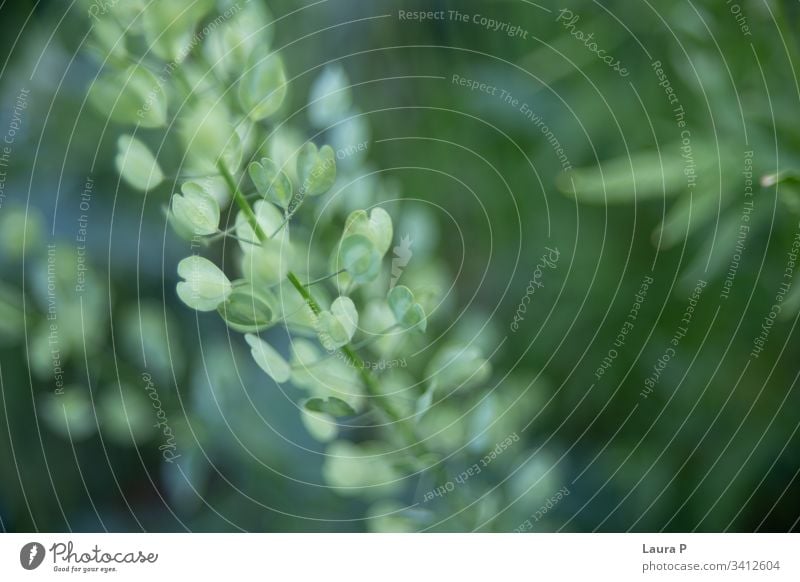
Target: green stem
[
  {"x": 325, "y": 278},
  {"x": 312, "y": 303},
  {"x": 241, "y": 201},
  {"x": 369, "y": 380}
]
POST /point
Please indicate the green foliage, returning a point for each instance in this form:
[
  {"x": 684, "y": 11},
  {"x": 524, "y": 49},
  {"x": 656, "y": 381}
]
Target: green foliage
[
  {"x": 262, "y": 87},
  {"x": 316, "y": 169},
  {"x": 271, "y": 182},
  {"x": 407, "y": 313},
  {"x": 247, "y": 308},
  {"x": 136, "y": 164},
  {"x": 332, "y": 406},
  {"x": 338, "y": 326},
  {"x": 195, "y": 211},
  {"x": 205, "y": 286},
  {"x": 131, "y": 96},
  {"x": 268, "y": 359}
]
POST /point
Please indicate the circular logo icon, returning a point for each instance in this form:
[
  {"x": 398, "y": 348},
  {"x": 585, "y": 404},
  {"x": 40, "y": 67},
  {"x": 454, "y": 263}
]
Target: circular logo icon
[{"x": 31, "y": 555}]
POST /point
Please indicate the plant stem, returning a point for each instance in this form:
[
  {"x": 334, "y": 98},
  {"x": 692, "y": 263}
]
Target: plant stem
[
  {"x": 241, "y": 201},
  {"x": 381, "y": 401},
  {"x": 325, "y": 278}
]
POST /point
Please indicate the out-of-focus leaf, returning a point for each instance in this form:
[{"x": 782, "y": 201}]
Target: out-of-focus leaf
[
  {"x": 133, "y": 96},
  {"x": 262, "y": 87},
  {"x": 268, "y": 359},
  {"x": 137, "y": 166},
  {"x": 643, "y": 176},
  {"x": 333, "y": 406}
]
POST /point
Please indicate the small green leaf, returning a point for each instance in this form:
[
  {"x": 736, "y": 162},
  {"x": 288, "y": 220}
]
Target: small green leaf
[
  {"x": 137, "y": 166},
  {"x": 195, "y": 210},
  {"x": 169, "y": 26},
  {"x": 330, "y": 98},
  {"x": 262, "y": 87},
  {"x": 133, "y": 95},
  {"x": 268, "y": 359},
  {"x": 321, "y": 426},
  {"x": 108, "y": 37},
  {"x": 271, "y": 182},
  {"x": 208, "y": 135},
  {"x": 228, "y": 46},
  {"x": 331, "y": 405},
  {"x": 377, "y": 226},
  {"x": 316, "y": 169},
  {"x": 205, "y": 285},
  {"x": 407, "y": 312},
  {"x": 359, "y": 257},
  {"x": 247, "y": 309},
  {"x": 337, "y": 326}
]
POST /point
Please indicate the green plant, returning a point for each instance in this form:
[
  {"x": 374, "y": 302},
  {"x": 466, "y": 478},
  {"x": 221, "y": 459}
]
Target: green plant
[{"x": 207, "y": 88}]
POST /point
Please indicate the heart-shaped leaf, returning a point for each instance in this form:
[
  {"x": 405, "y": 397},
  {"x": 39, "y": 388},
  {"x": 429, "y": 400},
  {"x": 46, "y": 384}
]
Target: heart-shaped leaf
[
  {"x": 337, "y": 326},
  {"x": 316, "y": 169},
  {"x": 407, "y": 312},
  {"x": 271, "y": 182},
  {"x": 205, "y": 285},
  {"x": 377, "y": 226},
  {"x": 195, "y": 211},
  {"x": 359, "y": 257}
]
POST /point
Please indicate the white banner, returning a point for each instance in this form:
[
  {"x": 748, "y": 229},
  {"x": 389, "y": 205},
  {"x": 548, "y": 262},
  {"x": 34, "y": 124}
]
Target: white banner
[{"x": 401, "y": 557}]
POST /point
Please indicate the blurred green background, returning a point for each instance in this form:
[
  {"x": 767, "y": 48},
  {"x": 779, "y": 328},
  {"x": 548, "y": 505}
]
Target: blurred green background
[{"x": 714, "y": 447}]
